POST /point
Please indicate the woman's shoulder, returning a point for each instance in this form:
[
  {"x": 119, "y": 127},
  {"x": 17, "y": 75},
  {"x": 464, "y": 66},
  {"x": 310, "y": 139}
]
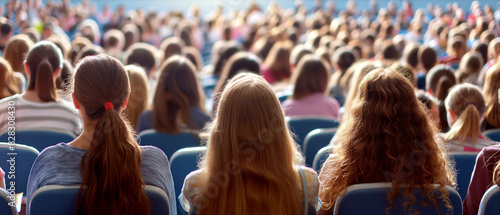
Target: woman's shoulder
[{"x": 153, "y": 152}]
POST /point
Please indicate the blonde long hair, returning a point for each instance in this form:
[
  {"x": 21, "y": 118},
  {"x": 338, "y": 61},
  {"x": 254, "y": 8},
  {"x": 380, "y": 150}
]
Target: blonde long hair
[
  {"x": 138, "y": 95},
  {"x": 249, "y": 167},
  {"x": 466, "y": 102},
  {"x": 387, "y": 138}
]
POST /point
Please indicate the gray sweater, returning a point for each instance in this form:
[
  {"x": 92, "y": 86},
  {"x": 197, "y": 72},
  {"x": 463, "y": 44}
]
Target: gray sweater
[{"x": 60, "y": 164}]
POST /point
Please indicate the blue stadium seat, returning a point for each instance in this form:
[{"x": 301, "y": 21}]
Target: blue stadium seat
[
  {"x": 370, "y": 198},
  {"x": 24, "y": 159},
  {"x": 283, "y": 95},
  {"x": 465, "y": 162},
  {"x": 315, "y": 140},
  {"x": 321, "y": 157},
  {"x": 169, "y": 143},
  {"x": 61, "y": 200},
  {"x": 182, "y": 163},
  {"x": 489, "y": 203},
  {"x": 302, "y": 125},
  {"x": 493, "y": 134},
  {"x": 208, "y": 86},
  {"x": 5, "y": 209},
  {"x": 39, "y": 139}
]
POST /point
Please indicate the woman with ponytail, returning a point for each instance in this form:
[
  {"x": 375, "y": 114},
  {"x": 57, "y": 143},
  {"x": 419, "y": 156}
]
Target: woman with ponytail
[
  {"x": 105, "y": 158},
  {"x": 439, "y": 81},
  {"x": 39, "y": 108},
  {"x": 464, "y": 108}
]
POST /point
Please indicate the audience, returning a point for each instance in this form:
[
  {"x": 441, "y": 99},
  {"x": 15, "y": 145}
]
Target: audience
[
  {"x": 326, "y": 57},
  {"x": 256, "y": 179},
  {"x": 105, "y": 158}
]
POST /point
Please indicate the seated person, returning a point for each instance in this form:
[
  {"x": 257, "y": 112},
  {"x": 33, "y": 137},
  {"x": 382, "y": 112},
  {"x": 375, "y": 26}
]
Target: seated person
[{"x": 105, "y": 158}]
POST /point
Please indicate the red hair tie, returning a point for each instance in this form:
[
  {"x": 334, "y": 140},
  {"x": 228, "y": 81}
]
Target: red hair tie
[{"x": 108, "y": 105}]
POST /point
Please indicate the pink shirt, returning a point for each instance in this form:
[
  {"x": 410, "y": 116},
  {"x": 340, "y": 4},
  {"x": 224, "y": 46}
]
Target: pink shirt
[{"x": 315, "y": 104}]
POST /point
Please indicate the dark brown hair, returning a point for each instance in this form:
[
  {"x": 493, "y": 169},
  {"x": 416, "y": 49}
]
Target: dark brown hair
[
  {"x": 43, "y": 60},
  {"x": 310, "y": 76},
  {"x": 178, "y": 88},
  {"x": 112, "y": 162}
]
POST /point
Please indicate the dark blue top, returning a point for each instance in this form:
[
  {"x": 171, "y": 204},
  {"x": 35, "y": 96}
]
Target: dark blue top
[
  {"x": 197, "y": 117},
  {"x": 60, "y": 164}
]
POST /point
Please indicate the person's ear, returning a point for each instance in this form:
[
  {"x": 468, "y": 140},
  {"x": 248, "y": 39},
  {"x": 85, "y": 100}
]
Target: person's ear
[
  {"x": 27, "y": 68},
  {"x": 57, "y": 72},
  {"x": 453, "y": 116},
  {"x": 75, "y": 102},
  {"x": 125, "y": 103}
]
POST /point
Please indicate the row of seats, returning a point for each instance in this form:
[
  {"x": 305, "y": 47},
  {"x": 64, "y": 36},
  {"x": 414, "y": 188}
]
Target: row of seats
[{"x": 373, "y": 196}]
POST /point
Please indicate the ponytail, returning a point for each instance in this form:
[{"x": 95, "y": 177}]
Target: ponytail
[
  {"x": 467, "y": 125},
  {"x": 45, "y": 86},
  {"x": 496, "y": 174},
  {"x": 110, "y": 169}
]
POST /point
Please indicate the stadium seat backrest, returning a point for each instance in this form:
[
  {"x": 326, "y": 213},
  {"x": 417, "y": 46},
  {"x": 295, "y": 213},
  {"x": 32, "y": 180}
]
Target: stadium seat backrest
[
  {"x": 6, "y": 203},
  {"x": 283, "y": 95},
  {"x": 315, "y": 140},
  {"x": 370, "y": 198},
  {"x": 182, "y": 163},
  {"x": 465, "y": 162},
  {"x": 490, "y": 202},
  {"x": 21, "y": 158},
  {"x": 493, "y": 134},
  {"x": 321, "y": 157},
  {"x": 302, "y": 125},
  {"x": 61, "y": 200},
  {"x": 38, "y": 138},
  {"x": 168, "y": 143}
]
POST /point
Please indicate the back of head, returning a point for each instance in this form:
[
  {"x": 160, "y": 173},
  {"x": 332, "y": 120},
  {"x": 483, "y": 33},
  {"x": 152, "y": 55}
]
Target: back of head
[
  {"x": 387, "y": 129},
  {"x": 427, "y": 57},
  {"x": 406, "y": 71},
  {"x": 177, "y": 90},
  {"x": 490, "y": 92},
  {"x": 141, "y": 54},
  {"x": 410, "y": 55},
  {"x": 343, "y": 58},
  {"x": 43, "y": 60},
  {"x": 494, "y": 49},
  {"x": 139, "y": 93},
  {"x": 228, "y": 49},
  {"x": 15, "y": 51},
  {"x": 468, "y": 105},
  {"x": 298, "y": 52},
  {"x": 113, "y": 159},
  {"x": 113, "y": 39},
  {"x": 390, "y": 51},
  {"x": 259, "y": 180},
  {"x": 172, "y": 46},
  {"x": 241, "y": 61},
  {"x": 310, "y": 76},
  {"x": 439, "y": 80},
  {"x": 64, "y": 78},
  {"x": 471, "y": 63},
  {"x": 5, "y": 29}
]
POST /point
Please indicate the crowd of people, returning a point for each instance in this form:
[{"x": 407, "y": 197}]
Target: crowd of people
[{"x": 401, "y": 82}]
